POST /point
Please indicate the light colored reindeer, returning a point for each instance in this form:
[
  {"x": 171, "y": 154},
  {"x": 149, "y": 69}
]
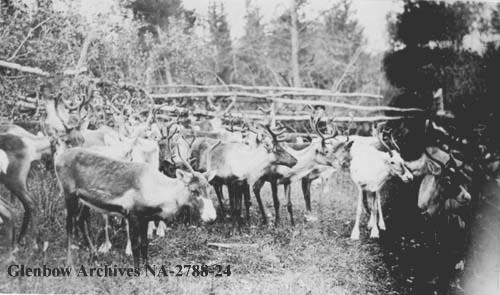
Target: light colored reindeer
[
  {"x": 239, "y": 165},
  {"x": 322, "y": 152},
  {"x": 370, "y": 169}
]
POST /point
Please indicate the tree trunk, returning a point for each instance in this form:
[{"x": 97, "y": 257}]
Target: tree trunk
[
  {"x": 295, "y": 44},
  {"x": 168, "y": 72}
]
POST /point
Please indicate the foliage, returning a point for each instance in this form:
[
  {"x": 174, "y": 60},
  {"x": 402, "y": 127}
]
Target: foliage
[
  {"x": 160, "y": 42},
  {"x": 220, "y": 41}
]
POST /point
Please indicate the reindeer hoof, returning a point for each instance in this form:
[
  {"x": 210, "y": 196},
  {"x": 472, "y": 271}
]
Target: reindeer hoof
[
  {"x": 355, "y": 235},
  {"x": 151, "y": 227},
  {"x": 374, "y": 233},
  {"x": 381, "y": 225},
  {"x": 371, "y": 224},
  {"x": 160, "y": 231},
  {"x": 310, "y": 218},
  {"x": 105, "y": 247},
  {"x": 128, "y": 250}
]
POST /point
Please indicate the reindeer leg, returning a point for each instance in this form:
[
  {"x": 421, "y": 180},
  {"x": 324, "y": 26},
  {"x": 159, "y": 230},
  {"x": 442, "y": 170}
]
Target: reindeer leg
[
  {"x": 128, "y": 248},
  {"x": 246, "y": 193},
  {"x": 359, "y": 208},
  {"x": 232, "y": 200},
  {"x": 72, "y": 211},
  {"x": 106, "y": 246},
  {"x": 136, "y": 238},
  {"x": 289, "y": 201},
  {"x": 151, "y": 228},
  {"x": 238, "y": 192},
  {"x": 274, "y": 192},
  {"x": 19, "y": 189},
  {"x": 306, "y": 190},
  {"x": 381, "y": 222},
  {"x": 369, "y": 203},
  {"x": 257, "y": 186},
  {"x": 374, "y": 233},
  {"x": 143, "y": 224},
  {"x": 85, "y": 221},
  {"x": 8, "y": 217},
  {"x": 220, "y": 197},
  {"x": 162, "y": 227}
]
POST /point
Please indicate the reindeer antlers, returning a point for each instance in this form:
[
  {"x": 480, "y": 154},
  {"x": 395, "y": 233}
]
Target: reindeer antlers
[
  {"x": 323, "y": 137},
  {"x": 380, "y": 136},
  {"x": 184, "y": 161}
]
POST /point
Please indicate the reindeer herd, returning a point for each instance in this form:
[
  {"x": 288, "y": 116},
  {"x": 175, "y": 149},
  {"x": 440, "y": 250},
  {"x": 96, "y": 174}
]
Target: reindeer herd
[{"x": 147, "y": 171}]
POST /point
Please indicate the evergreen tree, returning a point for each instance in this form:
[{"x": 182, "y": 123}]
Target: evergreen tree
[{"x": 221, "y": 41}]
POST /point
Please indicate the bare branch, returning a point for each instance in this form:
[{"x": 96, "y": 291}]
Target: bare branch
[
  {"x": 27, "y": 37},
  {"x": 18, "y": 67}
]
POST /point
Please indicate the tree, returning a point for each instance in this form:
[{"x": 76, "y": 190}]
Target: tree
[
  {"x": 294, "y": 35},
  {"x": 156, "y": 12},
  {"x": 221, "y": 42}
]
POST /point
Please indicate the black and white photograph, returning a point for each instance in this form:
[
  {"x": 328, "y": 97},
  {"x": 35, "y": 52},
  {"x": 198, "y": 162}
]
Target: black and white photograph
[{"x": 213, "y": 147}]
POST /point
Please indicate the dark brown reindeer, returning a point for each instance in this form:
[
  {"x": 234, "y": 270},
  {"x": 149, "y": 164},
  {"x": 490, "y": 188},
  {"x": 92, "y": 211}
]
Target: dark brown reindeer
[
  {"x": 444, "y": 183},
  {"x": 21, "y": 148},
  {"x": 6, "y": 212},
  {"x": 133, "y": 190}
]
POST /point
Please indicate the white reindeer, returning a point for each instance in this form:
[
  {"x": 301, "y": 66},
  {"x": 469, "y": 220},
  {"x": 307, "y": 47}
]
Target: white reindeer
[{"x": 370, "y": 169}]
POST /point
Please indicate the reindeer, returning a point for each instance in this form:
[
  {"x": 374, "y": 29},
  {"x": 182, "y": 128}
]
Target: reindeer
[
  {"x": 239, "y": 165},
  {"x": 320, "y": 153},
  {"x": 6, "y": 212},
  {"x": 173, "y": 145},
  {"x": 133, "y": 190},
  {"x": 21, "y": 148},
  {"x": 444, "y": 183},
  {"x": 134, "y": 149},
  {"x": 370, "y": 169}
]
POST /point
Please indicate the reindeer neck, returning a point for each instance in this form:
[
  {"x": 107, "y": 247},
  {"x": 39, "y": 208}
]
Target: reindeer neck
[
  {"x": 50, "y": 108},
  {"x": 418, "y": 166},
  {"x": 42, "y": 146},
  {"x": 305, "y": 162},
  {"x": 167, "y": 193}
]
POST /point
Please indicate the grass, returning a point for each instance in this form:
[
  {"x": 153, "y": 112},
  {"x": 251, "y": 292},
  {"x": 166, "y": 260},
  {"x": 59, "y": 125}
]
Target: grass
[{"x": 309, "y": 258}]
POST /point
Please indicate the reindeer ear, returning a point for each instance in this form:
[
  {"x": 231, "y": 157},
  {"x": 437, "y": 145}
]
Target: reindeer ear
[
  {"x": 183, "y": 175},
  {"x": 209, "y": 175},
  {"x": 349, "y": 145},
  {"x": 433, "y": 168}
]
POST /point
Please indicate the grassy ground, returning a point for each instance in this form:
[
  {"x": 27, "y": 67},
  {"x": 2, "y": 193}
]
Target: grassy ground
[{"x": 310, "y": 258}]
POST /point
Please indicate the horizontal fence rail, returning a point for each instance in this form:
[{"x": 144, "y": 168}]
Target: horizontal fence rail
[{"x": 290, "y": 90}]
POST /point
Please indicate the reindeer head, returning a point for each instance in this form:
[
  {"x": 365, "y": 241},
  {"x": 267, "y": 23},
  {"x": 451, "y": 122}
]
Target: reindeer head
[
  {"x": 72, "y": 118},
  {"x": 331, "y": 151},
  {"x": 444, "y": 188},
  {"x": 395, "y": 162},
  {"x": 199, "y": 190},
  {"x": 4, "y": 162},
  {"x": 273, "y": 146}
]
